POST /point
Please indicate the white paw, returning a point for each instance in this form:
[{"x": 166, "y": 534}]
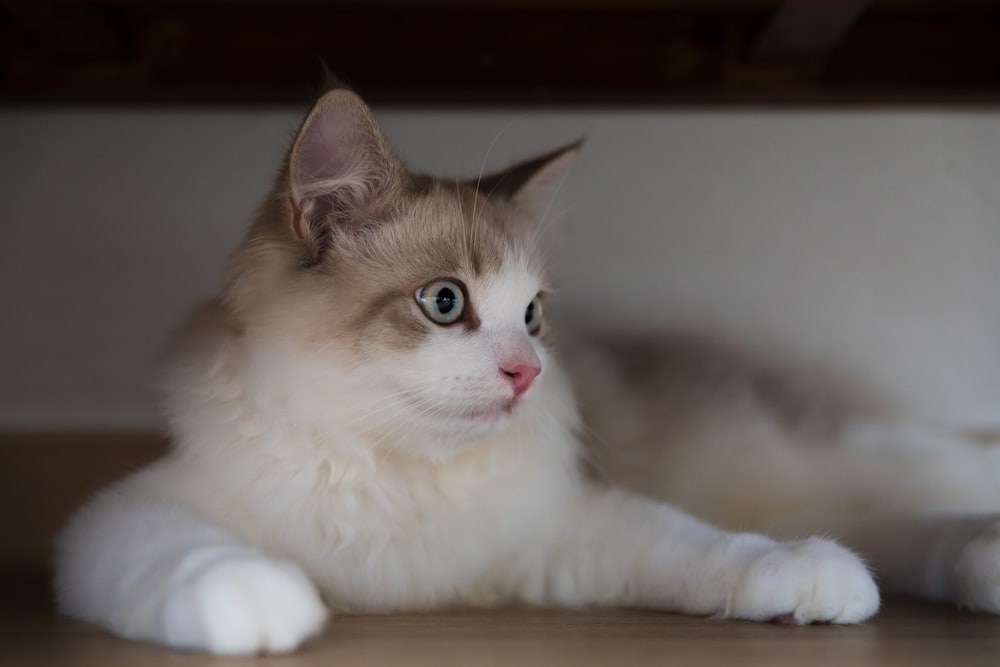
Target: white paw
[
  {"x": 977, "y": 572},
  {"x": 242, "y": 604},
  {"x": 810, "y": 581}
]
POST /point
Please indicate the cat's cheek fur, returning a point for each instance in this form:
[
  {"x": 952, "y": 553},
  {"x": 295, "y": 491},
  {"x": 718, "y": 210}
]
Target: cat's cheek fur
[
  {"x": 451, "y": 389},
  {"x": 454, "y": 389}
]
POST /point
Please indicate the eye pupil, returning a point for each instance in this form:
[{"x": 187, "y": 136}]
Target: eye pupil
[
  {"x": 445, "y": 300},
  {"x": 533, "y": 316}
]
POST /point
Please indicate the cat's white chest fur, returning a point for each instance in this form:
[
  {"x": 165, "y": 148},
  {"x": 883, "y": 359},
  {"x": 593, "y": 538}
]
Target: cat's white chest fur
[{"x": 416, "y": 534}]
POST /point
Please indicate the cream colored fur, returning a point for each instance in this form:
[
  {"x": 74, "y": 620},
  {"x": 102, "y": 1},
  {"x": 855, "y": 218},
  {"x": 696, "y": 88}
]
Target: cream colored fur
[
  {"x": 709, "y": 429},
  {"x": 337, "y": 450}
]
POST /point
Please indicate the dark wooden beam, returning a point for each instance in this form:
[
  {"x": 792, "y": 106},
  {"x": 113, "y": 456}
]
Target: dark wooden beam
[
  {"x": 462, "y": 52},
  {"x": 806, "y": 29}
]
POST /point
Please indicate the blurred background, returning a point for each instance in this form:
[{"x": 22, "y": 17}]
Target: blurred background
[{"x": 818, "y": 178}]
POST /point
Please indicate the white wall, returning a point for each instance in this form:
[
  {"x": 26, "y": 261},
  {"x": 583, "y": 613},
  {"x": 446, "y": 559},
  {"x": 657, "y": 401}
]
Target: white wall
[{"x": 872, "y": 238}]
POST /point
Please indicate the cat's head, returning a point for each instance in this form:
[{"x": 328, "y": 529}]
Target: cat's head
[{"x": 411, "y": 304}]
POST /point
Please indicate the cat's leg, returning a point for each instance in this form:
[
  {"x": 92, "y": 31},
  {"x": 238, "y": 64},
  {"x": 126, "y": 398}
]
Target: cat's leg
[
  {"x": 625, "y": 550},
  {"x": 942, "y": 558},
  {"x": 148, "y": 571}
]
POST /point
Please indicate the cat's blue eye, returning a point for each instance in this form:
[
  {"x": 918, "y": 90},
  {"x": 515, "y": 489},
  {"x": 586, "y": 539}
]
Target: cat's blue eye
[
  {"x": 533, "y": 316},
  {"x": 443, "y": 301}
]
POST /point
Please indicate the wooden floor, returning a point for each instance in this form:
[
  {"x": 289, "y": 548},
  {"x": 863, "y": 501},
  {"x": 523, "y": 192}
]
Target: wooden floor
[
  {"x": 43, "y": 477},
  {"x": 905, "y": 634}
]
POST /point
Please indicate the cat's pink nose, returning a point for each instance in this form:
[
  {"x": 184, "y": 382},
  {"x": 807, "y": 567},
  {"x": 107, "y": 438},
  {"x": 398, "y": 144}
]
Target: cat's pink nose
[{"x": 521, "y": 375}]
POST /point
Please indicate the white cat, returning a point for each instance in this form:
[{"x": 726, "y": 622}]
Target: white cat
[{"x": 371, "y": 418}]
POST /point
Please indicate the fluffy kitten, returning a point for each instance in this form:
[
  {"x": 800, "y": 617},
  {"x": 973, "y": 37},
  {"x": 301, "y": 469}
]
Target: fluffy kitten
[{"x": 371, "y": 418}]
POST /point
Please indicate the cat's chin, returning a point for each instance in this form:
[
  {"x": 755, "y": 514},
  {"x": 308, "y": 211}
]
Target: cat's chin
[
  {"x": 488, "y": 415},
  {"x": 478, "y": 422},
  {"x": 461, "y": 431}
]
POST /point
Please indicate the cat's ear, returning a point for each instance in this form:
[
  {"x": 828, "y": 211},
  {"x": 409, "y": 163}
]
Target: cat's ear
[
  {"x": 341, "y": 169},
  {"x": 533, "y": 186}
]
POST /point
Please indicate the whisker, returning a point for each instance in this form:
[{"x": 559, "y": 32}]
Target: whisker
[
  {"x": 461, "y": 209},
  {"x": 479, "y": 179},
  {"x": 425, "y": 405},
  {"x": 413, "y": 421}
]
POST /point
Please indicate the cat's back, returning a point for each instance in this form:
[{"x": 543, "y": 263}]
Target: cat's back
[
  {"x": 707, "y": 425},
  {"x": 688, "y": 383}
]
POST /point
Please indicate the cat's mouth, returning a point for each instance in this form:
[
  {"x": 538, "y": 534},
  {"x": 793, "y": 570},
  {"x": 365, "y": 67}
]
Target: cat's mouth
[
  {"x": 480, "y": 413},
  {"x": 489, "y": 413}
]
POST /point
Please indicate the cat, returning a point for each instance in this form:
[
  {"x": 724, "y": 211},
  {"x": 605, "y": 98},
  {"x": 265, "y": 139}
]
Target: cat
[{"x": 376, "y": 416}]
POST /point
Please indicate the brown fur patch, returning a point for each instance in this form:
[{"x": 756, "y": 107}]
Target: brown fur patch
[
  {"x": 363, "y": 288},
  {"x": 352, "y": 280},
  {"x": 986, "y": 437},
  {"x": 697, "y": 378}
]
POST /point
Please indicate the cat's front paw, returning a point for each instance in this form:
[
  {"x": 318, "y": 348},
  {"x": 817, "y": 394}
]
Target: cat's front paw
[
  {"x": 242, "y": 604},
  {"x": 977, "y": 572},
  {"x": 810, "y": 581}
]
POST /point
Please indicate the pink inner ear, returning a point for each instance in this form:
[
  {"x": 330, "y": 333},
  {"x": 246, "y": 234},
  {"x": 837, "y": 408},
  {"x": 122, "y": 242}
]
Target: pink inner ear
[
  {"x": 334, "y": 166},
  {"x": 333, "y": 145}
]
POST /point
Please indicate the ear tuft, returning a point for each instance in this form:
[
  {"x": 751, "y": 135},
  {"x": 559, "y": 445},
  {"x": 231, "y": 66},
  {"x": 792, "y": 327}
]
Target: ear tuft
[
  {"x": 330, "y": 80},
  {"x": 339, "y": 167}
]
